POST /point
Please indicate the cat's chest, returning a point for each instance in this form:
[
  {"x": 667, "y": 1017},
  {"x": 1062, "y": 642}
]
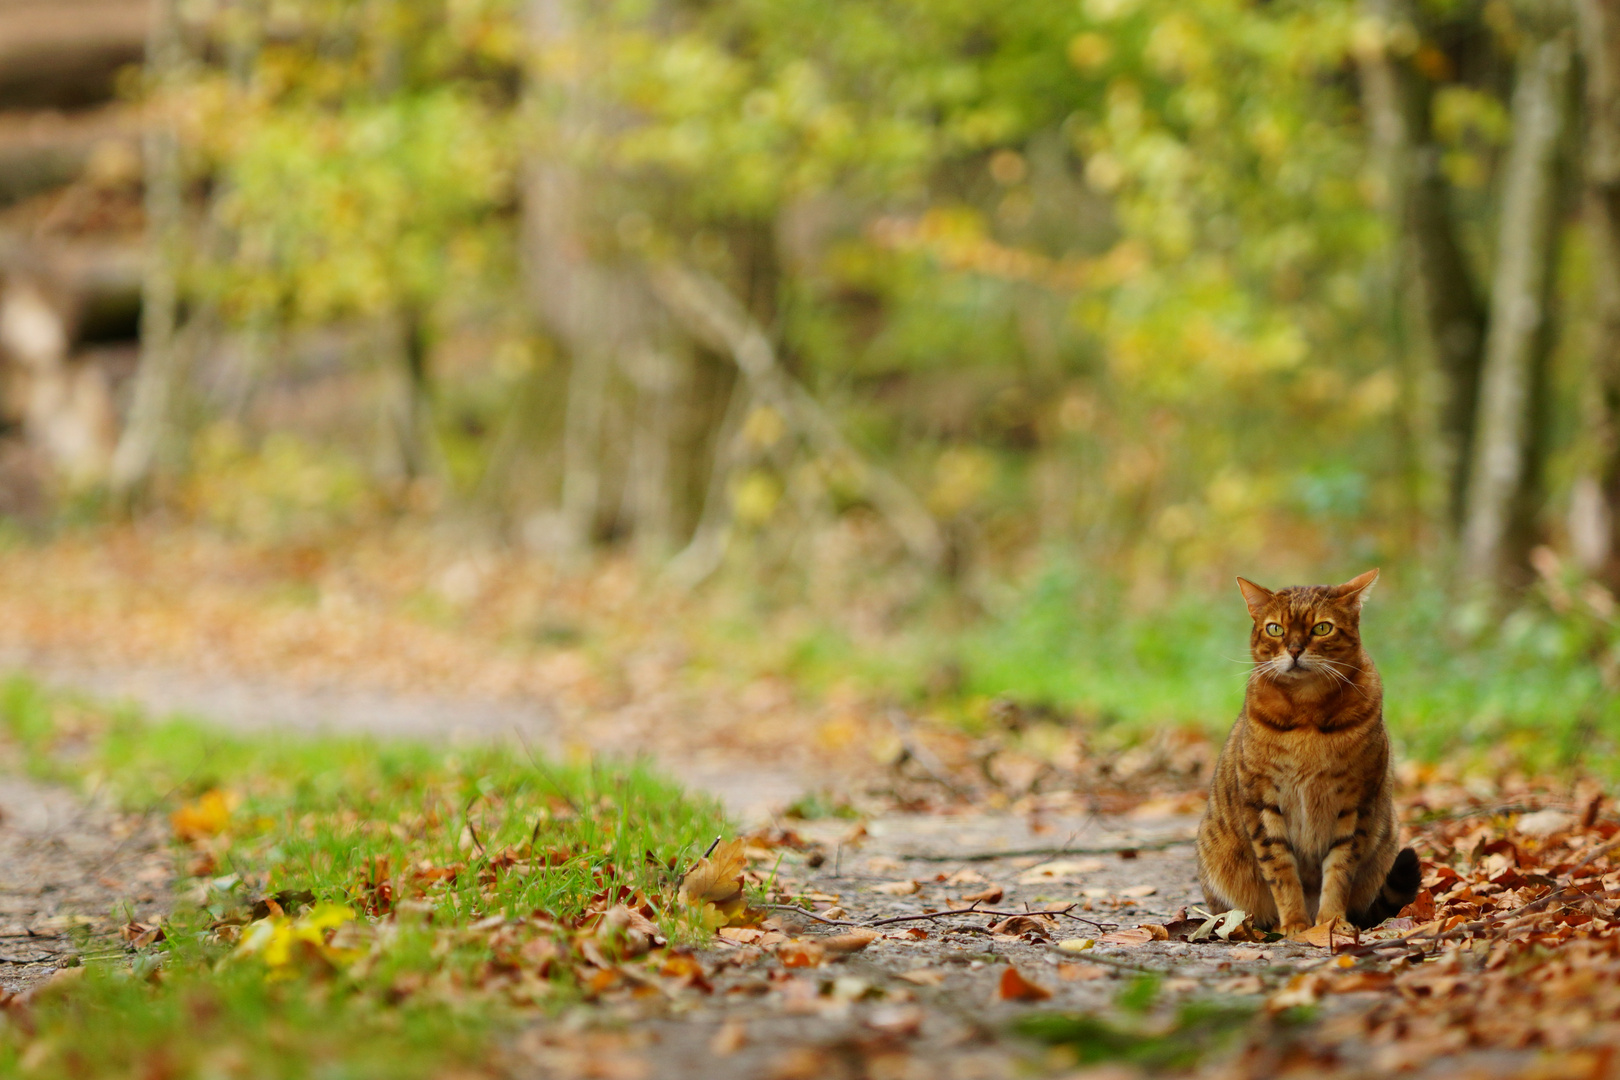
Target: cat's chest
[{"x": 1311, "y": 793}]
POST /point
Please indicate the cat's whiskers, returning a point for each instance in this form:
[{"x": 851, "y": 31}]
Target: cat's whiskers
[{"x": 1331, "y": 667}]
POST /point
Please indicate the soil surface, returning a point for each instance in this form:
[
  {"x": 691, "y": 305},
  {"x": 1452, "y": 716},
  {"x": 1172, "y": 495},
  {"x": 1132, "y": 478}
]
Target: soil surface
[{"x": 71, "y": 874}]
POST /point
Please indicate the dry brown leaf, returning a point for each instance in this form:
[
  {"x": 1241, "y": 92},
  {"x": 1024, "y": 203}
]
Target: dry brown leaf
[
  {"x": 1081, "y": 972},
  {"x": 1014, "y": 987},
  {"x": 1327, "y": 935},
  {"x": 923, "y": 976},
  {"x": 1059, "y": 868},
  {"x": 989, "y": 895},
  {"x": 850, "y": 941},
  {"x": 1137, "y": 935},
  {"x": 897, "y": 888},
  {"x": 731, "y": 1037},
  {"x": 801, "y": 954},
  {"x": 716, "y": 878},
  {"x": 1024, "y": 924},
  {"x": 1136, "y": 892}
]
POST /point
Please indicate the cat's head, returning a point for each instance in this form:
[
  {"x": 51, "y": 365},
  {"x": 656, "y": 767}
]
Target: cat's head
[{"x": 1307, "y": 631}]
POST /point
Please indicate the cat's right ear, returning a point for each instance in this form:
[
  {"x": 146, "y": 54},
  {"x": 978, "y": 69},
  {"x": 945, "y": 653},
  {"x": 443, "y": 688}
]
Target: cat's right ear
[{"x": 1255, "y": 596}]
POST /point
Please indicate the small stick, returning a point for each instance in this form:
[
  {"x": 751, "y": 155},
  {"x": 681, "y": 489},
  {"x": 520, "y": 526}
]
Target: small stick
[
  {"x": 1050, "y": 852},
  {"x": 973, "y": 909}
]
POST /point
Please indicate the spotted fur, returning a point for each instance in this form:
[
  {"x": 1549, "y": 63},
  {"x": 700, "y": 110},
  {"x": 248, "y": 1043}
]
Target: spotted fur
[{"x": 1300, "y": 825}]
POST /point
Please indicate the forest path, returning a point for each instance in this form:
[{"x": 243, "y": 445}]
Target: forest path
[{"x": 71, "y": 874}]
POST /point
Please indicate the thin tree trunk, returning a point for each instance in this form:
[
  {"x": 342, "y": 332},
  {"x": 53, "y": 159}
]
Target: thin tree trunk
[
  {"x": 1596, "y": 513},
  {"x": 594, "y": 311},
  {"x": 649, "y": 491},
  {"x": 404, "y": 345},
  {"x": 706, "y": 550},
  {"x": 1504, "y": 477},
  {"x": 1418, "y": 199},
  {"x": 1385, "y": 99},
  {"x": 147, "y": 428}
]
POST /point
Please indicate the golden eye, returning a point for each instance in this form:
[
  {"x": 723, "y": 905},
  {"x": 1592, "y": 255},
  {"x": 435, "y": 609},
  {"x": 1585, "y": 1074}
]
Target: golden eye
[
  {"x": 1322, "y": 629},
  {"x": 1274, "y": 629}
]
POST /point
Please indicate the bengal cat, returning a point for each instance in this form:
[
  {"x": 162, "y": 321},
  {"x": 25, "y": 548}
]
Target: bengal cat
[{"x": 1300, "y": 826}]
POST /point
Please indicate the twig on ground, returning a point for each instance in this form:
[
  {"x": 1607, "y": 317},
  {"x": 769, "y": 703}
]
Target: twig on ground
[
  {"x": 1050, "y": 852},
  {"x": 930, "y": 916},
  {"x": 1593, "y": 855}
]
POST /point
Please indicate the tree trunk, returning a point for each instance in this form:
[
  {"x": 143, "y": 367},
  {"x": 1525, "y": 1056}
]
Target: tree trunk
[
  {"x": 595, "y": 312},
  {"x": 649, "y": 490},
  {"x": 1504, "y": 478},
  {"x": 148, "y": 423},
  {"x": 1417, "y": 199},
  {"x": 1594, "y": 514}
]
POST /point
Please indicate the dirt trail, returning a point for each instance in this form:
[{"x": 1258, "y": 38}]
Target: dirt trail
[
  {"x": 925, "y": 1000},
  {"x": 70, "y": 875}
]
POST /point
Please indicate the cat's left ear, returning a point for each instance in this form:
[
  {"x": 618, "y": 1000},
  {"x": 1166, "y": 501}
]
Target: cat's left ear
[{"x": 1355, "y": 590}]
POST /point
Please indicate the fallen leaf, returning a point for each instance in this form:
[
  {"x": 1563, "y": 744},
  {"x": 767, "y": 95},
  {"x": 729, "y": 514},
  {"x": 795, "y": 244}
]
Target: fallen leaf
[
  {"x": 923, "y": 976},
  {"x": 990, "y": 895},
  {"x": 1245, "y": 955},
  {"x": 140, "y": 935},
  {"x": 1059, "y": 868},
  {"x": 1014, "y": 987},
  {"x": 1138, "y": 935},
  {"x": 1081, "y": 972},
  {"x": 801, "y": 954},
  {"x": 1138, "y": 891},
  {"x": 850, "y": 941},
  {"x": 731, "y": 1037},
  {"x": 1327, "y": 935},
  {"x": 1075, "y": 944},
  {"x": 717, "y": 878},
  {"x": 896, "y": 1021},
  {"x": 1543, "y": 823},
  {"x": 1023, "y": 924},
  {"x": 897, "y": 888},
  {"x": 208, "y": 816}
]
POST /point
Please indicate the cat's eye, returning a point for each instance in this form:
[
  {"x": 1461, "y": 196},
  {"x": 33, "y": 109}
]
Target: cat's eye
[
  {"x": 1274, "y": 629},
  {"x": 1322, "y": 629}
]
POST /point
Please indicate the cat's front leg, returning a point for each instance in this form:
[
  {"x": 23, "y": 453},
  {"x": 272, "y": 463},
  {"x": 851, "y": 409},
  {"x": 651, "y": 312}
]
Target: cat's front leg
[
  {"x": 1340, "y": 864},
  {"x": 1272, "y": 850}
]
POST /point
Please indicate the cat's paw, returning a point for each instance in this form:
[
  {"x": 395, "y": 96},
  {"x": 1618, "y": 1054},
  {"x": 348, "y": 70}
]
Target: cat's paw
[{"x": 1289, "y": 929}]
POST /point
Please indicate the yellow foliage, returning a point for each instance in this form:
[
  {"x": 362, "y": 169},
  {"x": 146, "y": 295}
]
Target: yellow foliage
[
  {"x": 208, "y": 816},
  {"x": 279, "y": 941}
]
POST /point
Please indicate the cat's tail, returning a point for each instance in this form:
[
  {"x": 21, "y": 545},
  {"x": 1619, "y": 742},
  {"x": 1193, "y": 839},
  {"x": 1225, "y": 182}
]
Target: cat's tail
[{"x": 1400, "y": 888}]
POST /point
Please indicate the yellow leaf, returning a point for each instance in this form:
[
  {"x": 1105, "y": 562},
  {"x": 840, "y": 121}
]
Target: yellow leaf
[
  {"x": 278, "y": 940},
  {"x": 208, "y": 816}
]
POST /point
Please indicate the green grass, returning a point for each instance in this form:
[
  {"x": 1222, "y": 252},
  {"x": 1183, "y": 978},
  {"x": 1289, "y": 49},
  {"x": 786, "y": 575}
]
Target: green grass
[
  {"x": 420, "y": 844},
  {"x": 1458, "y": 681}
]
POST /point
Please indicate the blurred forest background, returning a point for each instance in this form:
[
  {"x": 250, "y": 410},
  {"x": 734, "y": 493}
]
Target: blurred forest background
[{"x": 968, "y": 347}]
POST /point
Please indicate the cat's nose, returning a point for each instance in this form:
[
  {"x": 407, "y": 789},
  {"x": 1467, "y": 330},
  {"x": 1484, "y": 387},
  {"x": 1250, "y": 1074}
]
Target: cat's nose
[{"x": 1295, "y": 650}]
